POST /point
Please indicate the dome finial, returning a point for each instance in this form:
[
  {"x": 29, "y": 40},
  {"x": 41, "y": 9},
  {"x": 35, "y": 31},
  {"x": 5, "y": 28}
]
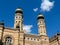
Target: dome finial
[{"x": 19, "y": 8}]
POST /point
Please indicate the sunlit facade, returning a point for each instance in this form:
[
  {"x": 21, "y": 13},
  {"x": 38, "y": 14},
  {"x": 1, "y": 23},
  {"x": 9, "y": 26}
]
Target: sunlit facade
[{"x": 17, "y": 36}]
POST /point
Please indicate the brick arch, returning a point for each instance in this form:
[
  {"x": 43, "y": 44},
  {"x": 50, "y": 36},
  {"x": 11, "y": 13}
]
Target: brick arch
[{"x": 8, "y": 36}]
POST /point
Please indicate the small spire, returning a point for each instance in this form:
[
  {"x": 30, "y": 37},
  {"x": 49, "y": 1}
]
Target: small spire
[
  {"x": 40, "y": 14},
  {"x": 18, "y": 9}
]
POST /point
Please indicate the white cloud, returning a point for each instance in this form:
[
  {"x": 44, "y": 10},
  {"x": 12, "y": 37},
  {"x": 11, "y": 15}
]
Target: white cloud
[
  {"x": 27, "y": 28},
  {"x": 35, "y": 9},
  {"x": 46, "y": 5}
]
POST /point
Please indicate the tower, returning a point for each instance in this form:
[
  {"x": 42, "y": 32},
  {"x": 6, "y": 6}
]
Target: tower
[
  {"x": 18, "y": 19},
  {"x": 42, "y": 30},
  {"x": 41, "y": 25},
  {"x": 18, "y": 25}
]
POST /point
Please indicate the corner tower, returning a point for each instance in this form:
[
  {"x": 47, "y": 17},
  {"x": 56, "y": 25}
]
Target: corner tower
[
  {"x": 18, "y": 19},
  {"x": 41, "y": 25},
  {"x": 44, "y": 40}
]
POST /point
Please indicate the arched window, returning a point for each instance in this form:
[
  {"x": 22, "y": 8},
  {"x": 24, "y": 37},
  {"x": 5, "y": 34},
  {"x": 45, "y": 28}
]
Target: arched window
[
  {"x": 8, "y": 41},
  {"x": 17, "y": 26}
]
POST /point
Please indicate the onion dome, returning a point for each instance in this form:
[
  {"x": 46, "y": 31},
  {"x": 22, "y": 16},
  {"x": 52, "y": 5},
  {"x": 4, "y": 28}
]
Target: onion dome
[
  {"x": 18, "y": 10},
  {"x": 40, "y": 16}
]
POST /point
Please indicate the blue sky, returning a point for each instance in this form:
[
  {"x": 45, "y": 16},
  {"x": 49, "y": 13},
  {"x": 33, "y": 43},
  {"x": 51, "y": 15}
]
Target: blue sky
[{"x": 31, "y": 9}]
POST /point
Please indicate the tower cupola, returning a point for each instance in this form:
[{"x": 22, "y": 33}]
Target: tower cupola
[
  {"x": 18, "y": 10},
  {"x": 40, "y": 16}
]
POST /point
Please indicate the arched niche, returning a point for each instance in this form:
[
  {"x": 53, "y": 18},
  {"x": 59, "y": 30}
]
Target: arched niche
[{"x": 8, "y": 39}]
